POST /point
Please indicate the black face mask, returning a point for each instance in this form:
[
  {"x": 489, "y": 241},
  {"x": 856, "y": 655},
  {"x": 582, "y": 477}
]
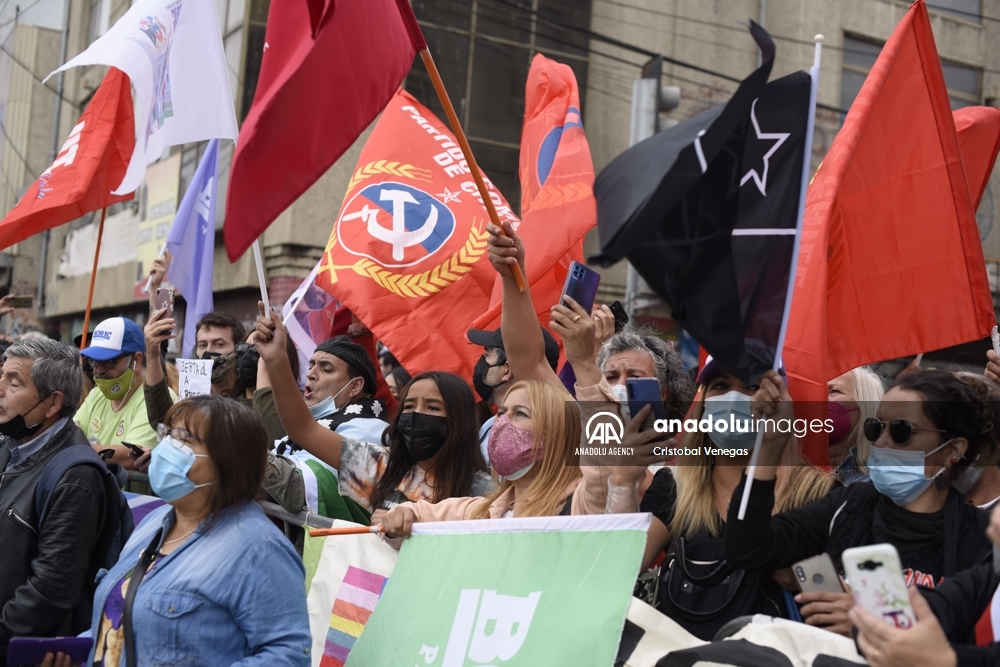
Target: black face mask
[
  {"x": 423, "y": 435},
  {"x": 246, "y": 365},
  {"x": 484, "y": 390},
  {"x": 16, "y": 429}
]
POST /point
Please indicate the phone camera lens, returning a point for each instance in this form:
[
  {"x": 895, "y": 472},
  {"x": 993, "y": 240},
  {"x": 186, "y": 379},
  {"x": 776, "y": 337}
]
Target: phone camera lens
[{"x": 800, "y": 574}]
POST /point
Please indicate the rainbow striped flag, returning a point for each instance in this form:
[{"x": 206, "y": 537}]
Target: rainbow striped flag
[
  {"x": 355, "y": 602},
  {"x": 345, "y": 576}
]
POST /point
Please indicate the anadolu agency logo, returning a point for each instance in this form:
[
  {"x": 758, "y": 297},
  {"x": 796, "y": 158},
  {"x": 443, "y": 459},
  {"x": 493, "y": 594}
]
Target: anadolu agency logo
[{"x": 609, "y": 430}]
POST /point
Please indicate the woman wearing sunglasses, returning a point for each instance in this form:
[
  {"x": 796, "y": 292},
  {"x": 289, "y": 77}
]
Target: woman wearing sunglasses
[
  {"x": 928, "y": 427},
  {"x": 208, "y": 579}
]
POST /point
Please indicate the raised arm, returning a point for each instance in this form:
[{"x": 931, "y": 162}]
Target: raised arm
[
  {"x": 522, "y": 340},
  {"x": 302, "y": 429}
]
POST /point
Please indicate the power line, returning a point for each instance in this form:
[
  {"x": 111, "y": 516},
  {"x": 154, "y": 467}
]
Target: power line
[
  {"x": 3, "y": 128},
  {"x": 34, "y": 76}
]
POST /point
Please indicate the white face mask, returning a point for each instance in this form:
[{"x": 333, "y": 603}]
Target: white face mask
[{"x": 620, "y": 392}]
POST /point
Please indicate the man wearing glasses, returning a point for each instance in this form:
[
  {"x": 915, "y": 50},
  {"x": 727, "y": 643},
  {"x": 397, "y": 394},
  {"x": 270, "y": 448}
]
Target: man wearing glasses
[{"x": 115, "y": 410}]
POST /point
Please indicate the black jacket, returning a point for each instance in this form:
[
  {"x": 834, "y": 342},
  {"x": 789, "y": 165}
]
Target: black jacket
[
  {"x": 958, "y": 603},
  {"x": 44, "y": 572},
  {"x": 851, "y": 516}
]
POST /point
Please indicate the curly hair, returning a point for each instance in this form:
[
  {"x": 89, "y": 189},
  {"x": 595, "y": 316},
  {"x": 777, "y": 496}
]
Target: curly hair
[
  {"x": 954, "y": 407},
  {"x": 666, "y": 361}
]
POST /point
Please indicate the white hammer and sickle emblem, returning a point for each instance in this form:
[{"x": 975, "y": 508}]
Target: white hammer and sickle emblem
[{"x": 398, "y": 236}]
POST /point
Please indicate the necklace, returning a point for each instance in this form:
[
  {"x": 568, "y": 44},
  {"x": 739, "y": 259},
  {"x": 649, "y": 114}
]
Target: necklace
[
  {"x": 723, "y": 492},
  {"x": 178, "y": 539}
]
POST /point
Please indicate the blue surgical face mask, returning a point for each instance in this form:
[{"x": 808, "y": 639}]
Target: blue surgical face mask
[
  {"x": 327, "y": 406},
  {"x": 738, "y": 433},
  {"x": 898, "y": 474},
  {"x": 168, "y": 468}
]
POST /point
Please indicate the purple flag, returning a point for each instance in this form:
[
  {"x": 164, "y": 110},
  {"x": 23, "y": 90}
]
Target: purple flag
[{"x": 192, "y": 242}]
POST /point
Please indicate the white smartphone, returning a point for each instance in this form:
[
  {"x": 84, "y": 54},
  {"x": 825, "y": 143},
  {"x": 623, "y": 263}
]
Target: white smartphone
[
  {"x": 876, "y": 580},
  {"x": 817, "y": 574}
]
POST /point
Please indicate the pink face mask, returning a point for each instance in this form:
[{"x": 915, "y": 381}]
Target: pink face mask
[
  {"x": 840, "y": 417},
  {"x": 510, "y": 449}
]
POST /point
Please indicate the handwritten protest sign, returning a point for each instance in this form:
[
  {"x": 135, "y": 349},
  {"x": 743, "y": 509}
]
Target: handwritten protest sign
[{"x": 195, "y": 377}]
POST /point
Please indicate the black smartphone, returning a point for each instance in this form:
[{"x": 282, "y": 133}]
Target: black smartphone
[
  {"x": 621, "y": 317},
  {"x": 135, "y": 449},
  {"x": 581, "y": 285}
]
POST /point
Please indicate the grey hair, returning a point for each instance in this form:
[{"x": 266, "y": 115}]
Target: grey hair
[
  {"x": 666, "y": 362},
  {"x": 56, "y": 368}
]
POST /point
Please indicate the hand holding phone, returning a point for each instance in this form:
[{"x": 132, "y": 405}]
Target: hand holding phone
[
  {"x": 135, "y": 450},
  {"x": 643, "y": 392},
  {"x": 581, "y": 286},
  {"x": 164, "y": 301},
  {"x": 817, "y": 574},
  {"x": 876, "y": 579},
  {"x": 621, "y": 317}
]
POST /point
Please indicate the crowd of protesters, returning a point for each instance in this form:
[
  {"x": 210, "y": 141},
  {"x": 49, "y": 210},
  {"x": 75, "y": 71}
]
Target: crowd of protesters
[{"x": 913, "y": 463}]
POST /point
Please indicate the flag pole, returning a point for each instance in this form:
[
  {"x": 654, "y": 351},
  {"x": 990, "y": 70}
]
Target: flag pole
[
  {"x": 806, "y": 169},
  {"x": 463, "y": 142},
  {"x": 149, "y": 280},
  {"x": 260, "y": 277},
  {"x": 93, "y": 278}
]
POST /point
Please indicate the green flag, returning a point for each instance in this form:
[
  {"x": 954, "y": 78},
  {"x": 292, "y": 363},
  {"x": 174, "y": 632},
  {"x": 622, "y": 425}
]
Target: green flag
[{"x": 511, "y": 592}]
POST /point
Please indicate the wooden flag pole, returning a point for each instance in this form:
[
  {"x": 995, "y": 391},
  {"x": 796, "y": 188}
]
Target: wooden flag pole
[
  {"x": 93, "y": 278},
  {"x": 463, "y": 142},
  {"x": 353, "y": 530}
]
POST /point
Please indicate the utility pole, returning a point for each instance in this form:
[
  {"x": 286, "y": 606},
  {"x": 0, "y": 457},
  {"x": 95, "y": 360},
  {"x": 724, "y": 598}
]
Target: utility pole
[{"x": 649, "y": 99}]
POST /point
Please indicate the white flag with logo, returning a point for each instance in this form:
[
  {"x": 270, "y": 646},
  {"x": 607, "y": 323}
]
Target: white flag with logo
[{"x": 172, "y": 52}]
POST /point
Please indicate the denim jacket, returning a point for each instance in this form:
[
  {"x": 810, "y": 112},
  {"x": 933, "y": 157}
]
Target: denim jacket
[{"x": 231, "y": 595}]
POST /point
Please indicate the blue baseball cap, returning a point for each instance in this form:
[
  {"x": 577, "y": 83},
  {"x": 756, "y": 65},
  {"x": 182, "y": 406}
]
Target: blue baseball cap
[{"x": 114, "y": 337}]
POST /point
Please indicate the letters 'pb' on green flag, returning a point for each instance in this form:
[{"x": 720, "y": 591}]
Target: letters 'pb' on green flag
[{"x": 517, "y": 592}]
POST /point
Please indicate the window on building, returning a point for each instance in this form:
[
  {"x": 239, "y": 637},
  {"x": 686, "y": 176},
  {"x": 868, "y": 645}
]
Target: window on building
[
  {"x": 970, "y": 10},
  {"x": 483, "y": 49},
  {"x": 243, "y": 23},
  {"x": 100, "y": 11},
  {"x": 963, "y": 82}
]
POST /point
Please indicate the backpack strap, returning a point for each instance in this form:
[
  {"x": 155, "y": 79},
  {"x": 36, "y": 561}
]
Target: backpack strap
[{"x": 56, "y": 468}]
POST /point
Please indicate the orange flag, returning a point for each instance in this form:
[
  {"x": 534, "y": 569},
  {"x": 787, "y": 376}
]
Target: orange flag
[
  {"x": 407, "y": 253},
  {"x": 90, "y": 164},
  {"x": 891, "y": 263},
  {"x": 557, "y": 180}
]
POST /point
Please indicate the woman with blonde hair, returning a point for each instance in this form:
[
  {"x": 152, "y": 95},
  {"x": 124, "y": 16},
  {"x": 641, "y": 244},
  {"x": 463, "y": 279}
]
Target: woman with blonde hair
[
  {"x": 690, "y": 504},
  {"x": 532, "y": 446},
  {"x": 853, "y": 398}
]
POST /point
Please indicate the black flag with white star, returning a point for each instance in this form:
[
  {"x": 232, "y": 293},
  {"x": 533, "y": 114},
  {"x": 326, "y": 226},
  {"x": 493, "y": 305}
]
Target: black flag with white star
[{"x": 706, "y": 211}]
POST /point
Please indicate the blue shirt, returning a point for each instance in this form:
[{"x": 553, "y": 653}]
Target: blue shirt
[
  {"x": 232, "y": 595},
  {"x": 20, "y": 453}
]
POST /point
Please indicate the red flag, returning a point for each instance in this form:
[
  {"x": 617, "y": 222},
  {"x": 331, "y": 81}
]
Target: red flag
[
  {"x": 979, "y": 138},
  {"x": 328, "y": 69},
  {"x": 890, "y": 255},
  {"x": 90, "y": 164},
  {"x": 557, "y": 180},
  {"x": 407, "y": 253}
]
